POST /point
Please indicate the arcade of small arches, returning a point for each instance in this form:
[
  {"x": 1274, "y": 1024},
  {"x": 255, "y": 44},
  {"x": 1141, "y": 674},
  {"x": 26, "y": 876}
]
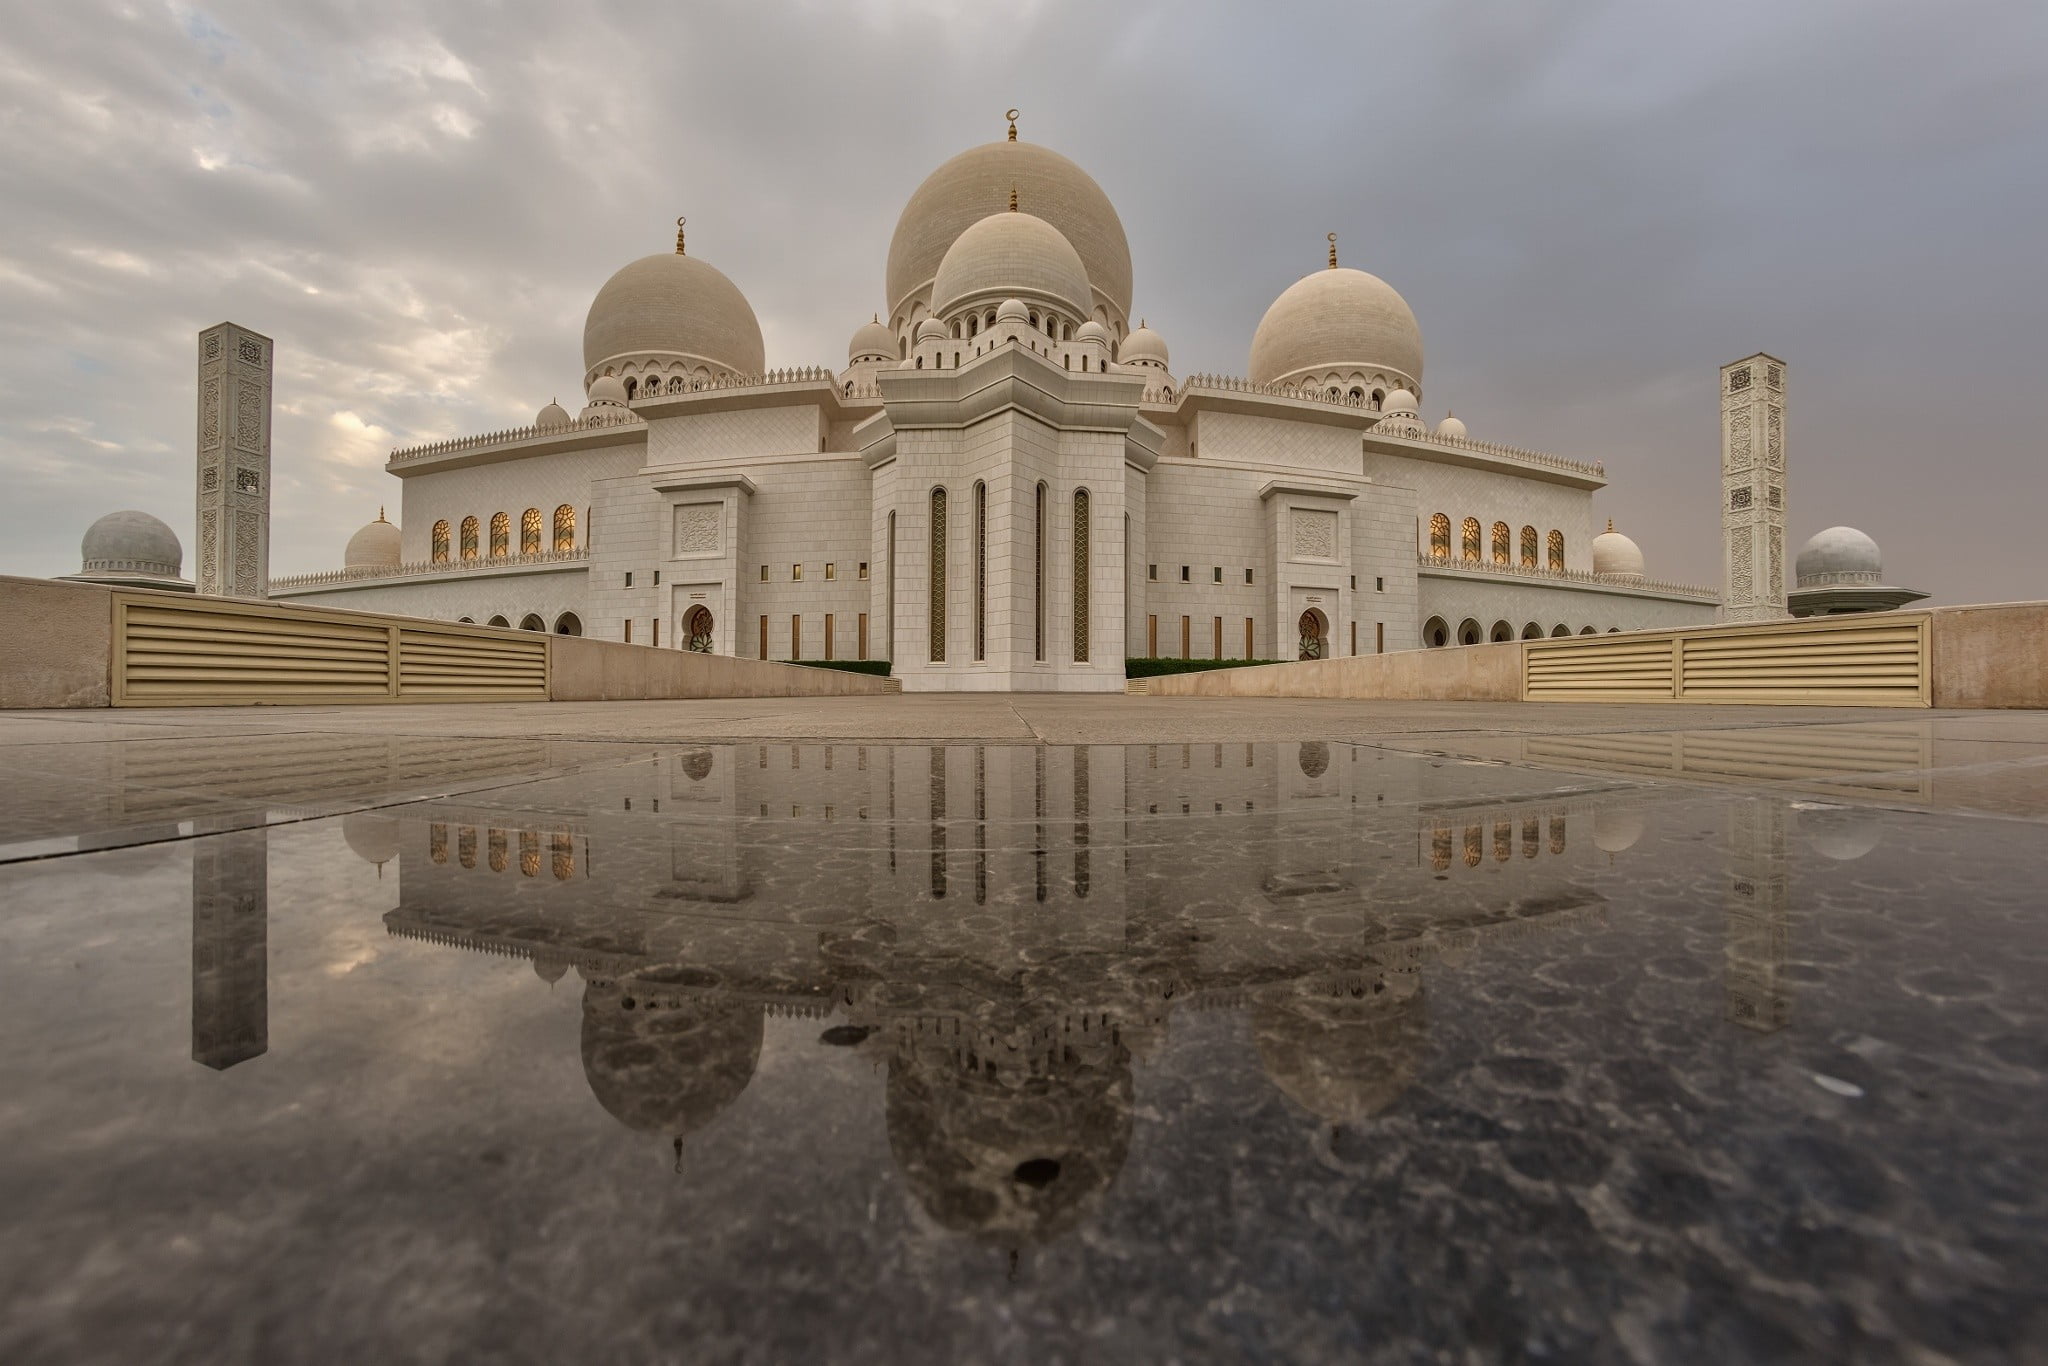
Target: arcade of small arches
[
  {"x": 1436, "y": 632},
  {"x": 497, "y": 851},
  {"x": 471, "y": 548},
  {"x": 566, "y": 624},
  {"x": 1474, "y": 542}
]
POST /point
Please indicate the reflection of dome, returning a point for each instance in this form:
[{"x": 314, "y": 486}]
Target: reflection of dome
[
  {"x": 665, "y": 1064},
  {"x": 1616, "y": 828},
  {"x": 872, "y": 341},
  {"x": 1344, "y": 1050},
  {"x": 1841, "y": 833},
  {"x": 977, "y": 183},
  {"x": 1338, "y": 320},
  {"x": 1841, "y": 554},
  {"x": 373, "y": 837},
  {"x": 673, "y": 307},
  {"x": 549, "y": 967},
  {"x": 554, "y": 415},
  {"x": 1011, "y": 255},
  {"x": 374, "y": 547},
  {"x": 1144, "y": 347},
  {"x": 1022, "y": 1154},
  {"x": 1617, "y": 557},
  {"x": 131, "y": 543}
]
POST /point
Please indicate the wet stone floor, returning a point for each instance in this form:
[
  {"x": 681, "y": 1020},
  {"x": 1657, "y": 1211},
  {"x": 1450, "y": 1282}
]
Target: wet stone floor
[{"x": 1302, "y": 1051}]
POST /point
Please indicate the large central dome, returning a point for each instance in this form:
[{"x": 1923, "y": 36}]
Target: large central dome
[
  {"x": 1341, "y": 320},
  {"x": 976, "y": 184},
  {"x": 672, "y": 307}
]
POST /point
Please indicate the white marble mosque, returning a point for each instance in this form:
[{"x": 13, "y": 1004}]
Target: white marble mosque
[{"x": 1008, "y": 487}]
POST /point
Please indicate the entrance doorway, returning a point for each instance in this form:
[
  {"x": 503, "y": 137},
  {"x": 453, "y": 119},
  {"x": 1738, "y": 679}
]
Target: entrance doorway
[
  {"x": 697, "y": 630},
  {"x": 1315, "y": 635}
]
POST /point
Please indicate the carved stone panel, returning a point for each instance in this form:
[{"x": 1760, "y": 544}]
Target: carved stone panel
[
  {"x": 700, "y": 528},
  {"x": 1741, "y": 451},
  {"x": 1315, "y": 534}
]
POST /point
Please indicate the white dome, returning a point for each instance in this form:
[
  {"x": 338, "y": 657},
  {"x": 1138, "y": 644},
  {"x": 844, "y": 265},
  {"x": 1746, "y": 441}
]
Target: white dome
[
  {"x": 1144, "y": 345},
  {"x": 1337, "y": 319},
  {"x": 1615, "y": 556},
  {"x": 374, "y": 547},
  {"x": 1012, "y": 311},
  {"x": 931, "y": 329},
  {"x": 608, "y": 389},
  {"x": 1841, "y": 554},
  {"x": 872, "y": 340},
  {"x": 674, "y": 307},
  {"x": 374, "y": 837},
  {"x": 1616, "y": 828},
  {"x": 1092, "y": 331},
  {"x": 1452, "y": 428},
  {"x": 1008, "y": 254},
  {"x": 1841, "y": 833},
  {"x": 554, "y": 415},
  {"x": 130, "y": 543},
  {"x": 1400, "y": 403},
  {"x": 977, "y": 183}
]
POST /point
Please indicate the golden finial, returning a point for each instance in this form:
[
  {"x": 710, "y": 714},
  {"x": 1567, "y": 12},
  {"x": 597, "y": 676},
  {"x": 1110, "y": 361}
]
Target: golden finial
[
  {"x": 679, "y": 235},
  {"x": 1012, "y": 117},
  {"x": 380, "y": 512},
  {"x": 1013, "y": 199},
  {"x": 1333, "y": 251},
  {"x": 874, "y": 317},
  {"x": 1610, "y": 524}
]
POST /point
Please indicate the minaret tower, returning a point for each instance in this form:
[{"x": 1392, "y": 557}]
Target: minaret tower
[
  {"x": 234, "y": 462},
  {"x": 1753, "y": 489}
]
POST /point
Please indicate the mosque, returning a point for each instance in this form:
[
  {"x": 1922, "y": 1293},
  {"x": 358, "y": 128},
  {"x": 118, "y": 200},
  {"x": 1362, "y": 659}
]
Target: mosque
[{"x": 1007, "y": 486}]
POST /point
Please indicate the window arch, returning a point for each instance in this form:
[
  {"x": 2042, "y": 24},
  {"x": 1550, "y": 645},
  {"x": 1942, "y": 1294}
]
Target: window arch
[
  {"x": 565, "y": 528},
  {"x": 1379, "y": 396},
  {"x": 1502, "y": 631},
  {"x": 1439, "y": 537},
  {"x": 501, "y": 535},
  {"x": 1469, "y": 540},
  {"x": 1532, "y": 631},
  {"x": 1560, "y": 630},
  {"x": 568, "y": 624},
  {"x": 1528, "y": 547},
  {"x": 1038, "y": 549},
  {"x": 440, "y": 546},
  {"x": 1436, "y": 633},
  {"x": 532, "y": 622},
  {"x": 1556, "y": 548},
  {"x": 697, "y": 630},
  {"x": 632, "y": 388},
  {"x": 980, "y": 570},
  {"x": 1501, "y": 549},
  {"x": 936, "y": 625},
  {"x": 529, "y": 532},
  {"x": 1082, "y": 536},
  {"x": 1470, "y": 632},
  {"x": 469, "y": 535}
]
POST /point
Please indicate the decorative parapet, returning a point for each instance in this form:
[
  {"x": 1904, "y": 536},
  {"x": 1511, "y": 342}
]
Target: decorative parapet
[
  {"x": 433, "y": 449},
  {"x": 416, "y": 568},
  {"x": 1568, "y": 576}
]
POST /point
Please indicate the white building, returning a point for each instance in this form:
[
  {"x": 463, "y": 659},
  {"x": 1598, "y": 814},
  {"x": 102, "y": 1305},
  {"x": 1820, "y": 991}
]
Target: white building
[{"x": 1006, "y": 486}]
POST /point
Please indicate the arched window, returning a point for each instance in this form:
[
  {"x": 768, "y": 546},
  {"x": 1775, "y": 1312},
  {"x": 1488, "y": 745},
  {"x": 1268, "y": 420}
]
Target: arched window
[
  {"x": 1083, "y": 534},
  {"x": 1560, "y": 630},
  {"x": 1439, "y": 537},
  {"x": 529, "y": 853},
  {"x": 1470, "y": 632},
  {"x": 498, "y": 621},
  {"x": 529, "y": 532},
  {"x": 1532, "y": 631},
  {"x": 936, "y": 625},
  {"x": 675, "y": 384},
  {"x": 1357, "y": 395},
  {"x": 565, "y": 528},
  {"x": 562, "y": 857},
  {"x": 980, "y": 570},
  {"x": 1436, "y": 633},
  {"x": 1557, "y": 552},
  {"x": 697, "y": 630},
  {"x": 440, "y": 551},
  {"x": 1528, "y": 547},
  {"x": 1502, "y": 631},
  {"x": 532, "y": 622},
  {"x": 469, "y": 535},
  {"x": 1501, "y": 549},
  {"x": 1469, "y": 540},
  {"x": 1379, "y": 396},
  {"x": 501, "y": 535},
  {"x": 568, "y": 624},
  {"x": 1038, "y": 548}
]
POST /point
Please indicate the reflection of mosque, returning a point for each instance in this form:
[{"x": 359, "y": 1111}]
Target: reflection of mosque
[{"x": 1003, "y": 929}]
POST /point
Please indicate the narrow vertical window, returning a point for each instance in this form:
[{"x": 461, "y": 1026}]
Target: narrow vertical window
[
  {"x": 1500, "y": 543},
  {"x": 1152, "y": 637},
  {"x": 565, "y": 528},
  {"x": 1248, "y": 653},
  {"x": 1439, "y": 537},
  {"x": 936, "y": 624},
  {"x": 1556, "y": 548},
  {"x": 980, "y": 570},
  {"x": 1468, "y": 538},
  {"x": 1528, "y": 547},
  {"x": 501, "y": 535},
  {"x": 796, "y": 636},
  {"x": 469, "y": 530},
  {"x": 828, "y": 635},
  {"x": 1081, "y": 541},
  {"x": 863, "y": 635},
  {"x": 889, "y": 600},
  {"x": 1216, "y": 635},
  {"x": 764, "y": 637},
  {"x": 1038, "y": 577},
  {"x": 440, "y": 550}
]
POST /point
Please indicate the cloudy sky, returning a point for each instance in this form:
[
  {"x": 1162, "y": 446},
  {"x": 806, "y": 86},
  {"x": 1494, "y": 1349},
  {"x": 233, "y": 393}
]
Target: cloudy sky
[{"x": 1590, "y": 206}]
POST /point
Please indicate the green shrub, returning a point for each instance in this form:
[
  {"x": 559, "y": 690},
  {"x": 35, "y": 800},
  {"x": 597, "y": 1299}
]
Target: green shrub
[
  {"x": 878, "y": 667},
  {"x": 1151, "y": 668}
]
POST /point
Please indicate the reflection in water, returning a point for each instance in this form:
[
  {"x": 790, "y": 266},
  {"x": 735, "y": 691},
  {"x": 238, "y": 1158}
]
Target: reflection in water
[
  {"x": 1759, "y": 936},
  {"x": 230, "y": 948}
]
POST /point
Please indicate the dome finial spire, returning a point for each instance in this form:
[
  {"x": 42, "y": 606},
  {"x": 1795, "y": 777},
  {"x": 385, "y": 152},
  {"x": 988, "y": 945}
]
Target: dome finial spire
[
  {"x": 679, "y": 235},
  {"x": 1610, "y": 524},
  {"x": 1333, "y": 251},
  {"x": 380, "y": 512},
  {"x": 1012, "y": 117},
  {"x": 1013, "y": 199}
]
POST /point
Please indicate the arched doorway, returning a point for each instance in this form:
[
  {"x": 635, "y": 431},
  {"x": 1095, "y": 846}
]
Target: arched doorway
[
  {"x": 1470, "y": 632},
  {"x": 1314, "y": 635},
  {"x": 532, "y": 622},
  {"x": 1436, "y": 633},
  {"x": 568, "y": 624},
  {"x": 697, "y": 630}
]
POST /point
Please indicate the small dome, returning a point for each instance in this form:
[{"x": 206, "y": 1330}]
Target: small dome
[
  {"x": 608, "y": 389},
  {"x": 1841, "y": 554},
  {"x": 1841, "y": 833},
  {"x": 662, "y": 1064},
  {"x": 1451, "y": 428},
  {"x": 1400, "y": 403},
  {"x": 673, "y": 306},
  {"x": 1616, "y": 828},
  {"x": 872, "y": 341},
  {"x": 374, "y": 837},
  {"x": 1144, "y": 346},
  {"x": 1336, "y": 319},
  {"x": 978, "y": 182},
  {"x": 554, "y": 415},
  {"x": 1615, "y": 556},
  {"x": 1092, "y": 331},
  {"x": 1011, "y": 254},
  {"x": 374, "y": 547},
  {"x": 130, "y": 543},
  {"x": 931, "y": 329}
]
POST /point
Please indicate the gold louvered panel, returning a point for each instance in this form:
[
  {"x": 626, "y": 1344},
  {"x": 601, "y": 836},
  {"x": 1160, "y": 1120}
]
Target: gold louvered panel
[
  {"x": 493, "y": 665},
  {"x": 1627, "y": 669},
  {"x": 1866, "y": 663},
  {"x": 207, "y": 652}
]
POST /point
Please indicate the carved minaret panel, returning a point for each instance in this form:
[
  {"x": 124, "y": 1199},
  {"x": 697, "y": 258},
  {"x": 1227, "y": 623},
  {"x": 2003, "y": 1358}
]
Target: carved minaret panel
[
  {"x": 234, "y": 462},
  {"x": 1753, "y": 488}
]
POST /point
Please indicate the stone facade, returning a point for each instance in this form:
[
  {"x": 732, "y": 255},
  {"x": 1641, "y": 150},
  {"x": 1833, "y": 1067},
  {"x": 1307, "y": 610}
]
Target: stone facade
[
  {"x": 234, "y": 462},
  {"x": 1753, "y": 488}
]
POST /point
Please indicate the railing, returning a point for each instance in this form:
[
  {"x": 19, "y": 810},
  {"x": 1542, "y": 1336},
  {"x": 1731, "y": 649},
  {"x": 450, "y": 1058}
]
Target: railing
[
  {"x": 1690, "y": 590},
  {"x": 483, "y": 440},
  {"x": 417, "y": 567}
]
